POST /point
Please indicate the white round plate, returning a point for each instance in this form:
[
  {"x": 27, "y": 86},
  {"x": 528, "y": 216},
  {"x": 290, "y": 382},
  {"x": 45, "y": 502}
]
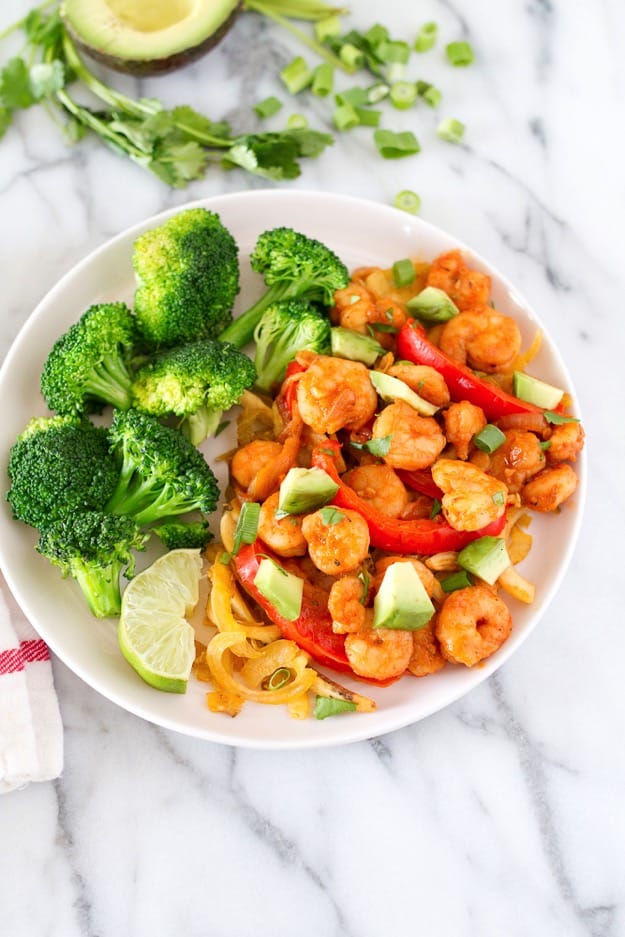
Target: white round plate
[{"x": 361, "y": 233}]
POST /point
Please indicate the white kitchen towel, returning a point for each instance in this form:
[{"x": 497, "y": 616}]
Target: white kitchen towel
[{"x": 31, "y": 732}]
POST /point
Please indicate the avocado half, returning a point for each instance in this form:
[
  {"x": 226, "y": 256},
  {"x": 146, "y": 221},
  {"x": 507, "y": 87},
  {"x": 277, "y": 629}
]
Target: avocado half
[{"x": 148, "y": 37}]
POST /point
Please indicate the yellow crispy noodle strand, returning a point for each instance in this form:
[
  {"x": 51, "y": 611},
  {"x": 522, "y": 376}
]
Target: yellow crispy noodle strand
[{"x": 521, "y": 361}]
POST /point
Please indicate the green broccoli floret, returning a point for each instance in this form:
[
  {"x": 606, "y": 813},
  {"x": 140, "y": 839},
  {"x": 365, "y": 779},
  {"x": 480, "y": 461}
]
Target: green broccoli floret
[
  {"x": 286, "y": 328},
  {"x": 197, "y": 381},
  {"x": 162, "y": 473},
  {"x": 184, "y": 535},
  {"x": 187, "y": 273},
  {"x": 94, "y": 548},
  {"x": 293, "y": 266},
  {"x": 89, "y": 365},
  {"x": 58, "y": 465}
]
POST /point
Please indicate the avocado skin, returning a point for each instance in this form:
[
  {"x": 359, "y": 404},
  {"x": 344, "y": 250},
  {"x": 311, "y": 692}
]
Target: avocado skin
[{"x": 145, "y": 67}]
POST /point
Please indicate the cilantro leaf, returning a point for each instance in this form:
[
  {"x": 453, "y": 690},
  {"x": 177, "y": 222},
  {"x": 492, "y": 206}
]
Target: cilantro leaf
[
  {"x": 6, "y": 117},
  {"x": 46, "y": 78},
  {"x": 15, "y": 90}
]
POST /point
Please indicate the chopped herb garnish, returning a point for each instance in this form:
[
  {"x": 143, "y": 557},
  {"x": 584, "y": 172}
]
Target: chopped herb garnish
[
  {"x": 489, "y": 439},
  {"x": 545, "y": 444},
  {"x": 459, "y": 53},
  {"x": 459, "y": 580},
  {"x": 246, "y": 530},
  {"x": 403, "y": 272},
  {"x": 326, "y": 706},
  {"x": 499, "y": 498},
  {"x": 436, "y": 508},
  {"x": 451, "y": 130},
  {"x": 331, "y": 516},
  {"x": 403, "y": 94},
  {"x": 296, "y": 75},
  {"x": 382, "y": 327},
  {"x": 365, "y": 579},
  {"x": 323, "y": 80},
  {"x": 345, "y": 117},
  {"x": 408, "y": 201},
  {"x": 558, "y": 418},
  {"x": 268, "y": 107},
  {"x": 426, "y": 37},
  {"x": 222, "y": 426},
  {"x": 378, "y": 447},
  {"x": 224, "y": 558}
]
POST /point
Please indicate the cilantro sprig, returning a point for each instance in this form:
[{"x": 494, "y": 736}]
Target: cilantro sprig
[{"x": 178, "y": 145}]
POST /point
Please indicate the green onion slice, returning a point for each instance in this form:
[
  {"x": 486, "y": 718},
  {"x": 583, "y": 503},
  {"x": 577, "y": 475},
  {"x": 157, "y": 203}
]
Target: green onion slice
[
  {"x": 459, "y": 580},
  {"x": 345, "y": 117},
  {"x": 367, "y": 117},
  {"x": 377, "y": 92},
  {"x": 323, "y": 80},
  {"x": 451, "y": 130},
  {"x": 296, "y": 75},
  {"x": 393, "y": 51},
  {"x": 278, "y": 679},
  {"x": 430, "y": 94},
  {"x": 357, "y": 97},
  {"x": 432, "y": 305},
  {"x": 268, "y": 107},
  {"x": 246, "y": 530},
  {"x": 351, "y": 56},
  {"x": 407, "y": 200},
  {"x": 328, "y": 27},
  {"x": 393, "y": 145},
  {"x": 499, "y": 498},
  {"x": 297, "y": 122},
  {"x": 403, "y": 94},
  {"x": 489, "y": 439},
  {"x": 459, "y": 53},
  {"x": 326, "y": 706},
  {"x": 403, "y": 272},
  {"x": 426, "y": 37}
]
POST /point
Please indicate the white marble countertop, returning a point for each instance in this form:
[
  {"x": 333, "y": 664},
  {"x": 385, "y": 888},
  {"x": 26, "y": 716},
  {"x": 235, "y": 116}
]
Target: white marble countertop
[{"x": 503, "y": 813}]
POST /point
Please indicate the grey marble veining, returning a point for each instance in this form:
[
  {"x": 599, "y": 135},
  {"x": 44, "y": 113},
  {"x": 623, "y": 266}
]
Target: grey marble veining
[{"x": 503, "y": 813}]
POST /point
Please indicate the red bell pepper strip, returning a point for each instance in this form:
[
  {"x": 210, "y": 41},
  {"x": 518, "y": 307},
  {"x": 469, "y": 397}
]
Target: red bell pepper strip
[
  {"x": 463, "y": 384},
  {"x": 312, "y": 630},
  {"x": 420, "y": 480},
  {"x": 422, "y": 536}
]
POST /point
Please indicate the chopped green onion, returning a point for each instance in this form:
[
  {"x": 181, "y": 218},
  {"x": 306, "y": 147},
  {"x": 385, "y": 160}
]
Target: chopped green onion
[
  {"x": 268, "y": 107},
  {"x": 557, "y": 418},
  {"x": 459, "y": 580},
  {"x": 459, "y": 53},
  {"x": 365, "y": 579},
  {"x": 331, "y": 516},
  {"x": 297, "y": 122},
  {"x": 278, "y": 679},
  {"x": 383, "y": 327},
  {"x": 426, "y": 37},
  {"x": 403, "y": 272},
  {"x": 403, "y": 94},
  {"x": 224, "y": 558},
  {"x": 489, "y": 439},
  {"x": 432, "y": 305},
  {"x": 345, "y": 117},
  {"x": 394, "y": 51},
  {"x": 436, "y": 508},
  {"x": 368, "y": 117},
  {"x": 296, "y": 75},
  {"x": 393, "y": 145},
  {"x": 430, "y": 94},
  {"x": 351, "y": 56},
  {"x": 377, "y": 92},
  {"x": 376, "y": 34},
  {"x": 499, "y": 498},
  {"x": 327, "y": 28},
  {"x": 323, "y": 80},
  {"x": 246, "y": 530},
  {"x": 409, "y": 201},
  {"x": 545, "y": 444},
  {"x": 326, "y": 706},
  {"x": 354, "y": 96},
  {"x": 451, "y": 130},
  {"x": 222, "y": 426}
]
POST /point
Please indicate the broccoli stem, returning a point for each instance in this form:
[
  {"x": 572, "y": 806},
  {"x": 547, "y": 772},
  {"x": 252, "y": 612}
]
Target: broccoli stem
[
  {"x": 100, "y": 587},
  {"x": 201, "y": 424},
  {"x": 111, "y": 381},
  {"x": 241, "y": 330},
  {"x": 144, "y": 500}
]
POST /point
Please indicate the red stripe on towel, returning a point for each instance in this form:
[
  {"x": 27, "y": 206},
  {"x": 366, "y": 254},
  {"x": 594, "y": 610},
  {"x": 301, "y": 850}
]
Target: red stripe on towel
[{"x": 16, "y": 658}]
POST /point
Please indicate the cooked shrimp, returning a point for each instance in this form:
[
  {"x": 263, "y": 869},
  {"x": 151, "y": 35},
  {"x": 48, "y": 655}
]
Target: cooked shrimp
[
  {"x": 517, "y": 459},
  {"x": 366, "y": 313},
  {"x": 334, "y": 394},
  {"x": 338, "y": 540},
  {"x": 472, "y": 624},
  {"x": 550, "y": 488},
  {"x": 284, "y": 536},
  {"x": 380, "y": 486},
  {"x": 462, "y": 421},
  {"x": 346, "y": 605},
  {"x": 426, "y": 657},
  {"x": 415, "y": 441},
  {"x": 351, "y": 294},
  {"x": 380, "y": 653},
  {"x": 565, "y": 442},
  {"x": 428, "y": 579},
  {"x": 250, "y": 459},
  {"x": 487, "y": 340},
  {"x": 471, "y": 499},
  {"x": 424, "y": 380},
  {"x": 469, "y": 289}
]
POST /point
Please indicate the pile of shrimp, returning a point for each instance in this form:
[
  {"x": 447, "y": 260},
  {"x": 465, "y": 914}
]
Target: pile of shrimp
[{"x": 334, "y": 399}]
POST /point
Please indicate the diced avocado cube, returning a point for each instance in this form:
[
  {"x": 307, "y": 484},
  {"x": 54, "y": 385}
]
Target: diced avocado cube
[
  {"x": 356, "y": 347},
  {"x": 401, "y": 601},
  {"x": 283, "y": 589},
  {"x": 534, "y": 391},
  {"x": 304, "y": 490},
  {"x": 486, "y": 557},
  {"x": 392, "y": 389}
]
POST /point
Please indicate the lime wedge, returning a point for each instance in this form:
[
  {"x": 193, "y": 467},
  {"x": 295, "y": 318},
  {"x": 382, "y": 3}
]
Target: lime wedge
[{"x": 154, "y": 635}]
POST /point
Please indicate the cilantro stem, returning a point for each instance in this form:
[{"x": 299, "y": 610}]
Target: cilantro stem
[{"x": 18, "y": 25}]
